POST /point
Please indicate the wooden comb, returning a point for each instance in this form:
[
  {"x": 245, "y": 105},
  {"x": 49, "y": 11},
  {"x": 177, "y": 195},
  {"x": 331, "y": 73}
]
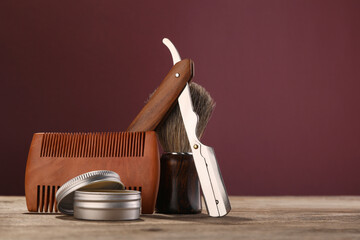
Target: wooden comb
[{"x": 54, "y": 158}]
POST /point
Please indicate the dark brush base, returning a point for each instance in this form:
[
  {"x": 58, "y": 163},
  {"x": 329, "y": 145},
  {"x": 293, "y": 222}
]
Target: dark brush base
[{"x": 179, "y": 189}]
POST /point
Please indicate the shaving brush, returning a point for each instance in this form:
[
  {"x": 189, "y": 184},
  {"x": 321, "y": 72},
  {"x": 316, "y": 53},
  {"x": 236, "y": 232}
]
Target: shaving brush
[{"x": 179, "y": 189}]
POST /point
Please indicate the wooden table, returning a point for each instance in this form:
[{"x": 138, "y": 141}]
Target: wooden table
[{"x": 250, "y": 218}]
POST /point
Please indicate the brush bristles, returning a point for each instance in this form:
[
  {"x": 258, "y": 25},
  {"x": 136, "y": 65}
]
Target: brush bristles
[{"x": 171, "y": 131}]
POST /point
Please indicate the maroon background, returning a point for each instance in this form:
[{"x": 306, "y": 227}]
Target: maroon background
[{"x": 285, "y": 75}]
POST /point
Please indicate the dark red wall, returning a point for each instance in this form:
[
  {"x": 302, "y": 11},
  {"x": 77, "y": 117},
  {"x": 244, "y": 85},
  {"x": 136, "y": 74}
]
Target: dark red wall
[{"x": 285, "y": 76}]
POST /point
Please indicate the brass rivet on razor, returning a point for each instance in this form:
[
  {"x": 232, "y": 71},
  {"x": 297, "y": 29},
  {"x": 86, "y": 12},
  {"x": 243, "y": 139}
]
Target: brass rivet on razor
[
  {"x": 177, "y": 75},
  {"x": 196, "y": 146}
]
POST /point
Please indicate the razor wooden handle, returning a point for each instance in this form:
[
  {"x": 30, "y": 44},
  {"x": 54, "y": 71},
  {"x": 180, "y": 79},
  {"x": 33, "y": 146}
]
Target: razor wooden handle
[{"x": 164, "y": 97}]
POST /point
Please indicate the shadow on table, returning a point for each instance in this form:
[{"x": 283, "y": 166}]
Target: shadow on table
[
  {"x": 199, "y": 218},
  {"x": 42, "y": 213},
  {"x": 71, "y": 218},
  {"x": 196, "y": 218}
]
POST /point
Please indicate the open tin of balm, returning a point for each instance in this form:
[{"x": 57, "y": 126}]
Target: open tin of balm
[
  {"x": 98, "y": 195},
  {"x": 99, "y": 179},
  {"x": 107, "y": 204}
]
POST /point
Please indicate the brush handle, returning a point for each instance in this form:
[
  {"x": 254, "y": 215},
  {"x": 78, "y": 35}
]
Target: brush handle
[
  {"x": 179, "y": 188},
  {"x": 164, "y": 97}
]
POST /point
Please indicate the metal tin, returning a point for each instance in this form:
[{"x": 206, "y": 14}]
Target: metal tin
[
  {"x": 100, "y": 179},
  {"x": 107, "y": 204}
]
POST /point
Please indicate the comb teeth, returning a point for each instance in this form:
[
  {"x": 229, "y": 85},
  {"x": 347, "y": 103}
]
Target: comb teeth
[
  {"x": 46, "y": 201},
  {"x": 138, "y": 188},
  {"x": 117, "y": 144}
]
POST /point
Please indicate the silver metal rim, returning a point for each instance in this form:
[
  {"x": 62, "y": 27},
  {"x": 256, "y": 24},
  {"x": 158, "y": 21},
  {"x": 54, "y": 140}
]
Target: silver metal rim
[{"x": 81, "y": 182}]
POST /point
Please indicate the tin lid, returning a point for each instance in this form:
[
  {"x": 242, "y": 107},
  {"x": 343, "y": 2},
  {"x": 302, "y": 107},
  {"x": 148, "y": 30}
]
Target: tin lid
[{"x": 100, "y": 179}]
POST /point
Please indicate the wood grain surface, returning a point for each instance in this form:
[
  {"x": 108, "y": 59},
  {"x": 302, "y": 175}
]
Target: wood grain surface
[
  {"x": 163, "y": 99},
  {"x": 250, "y": 218}
]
